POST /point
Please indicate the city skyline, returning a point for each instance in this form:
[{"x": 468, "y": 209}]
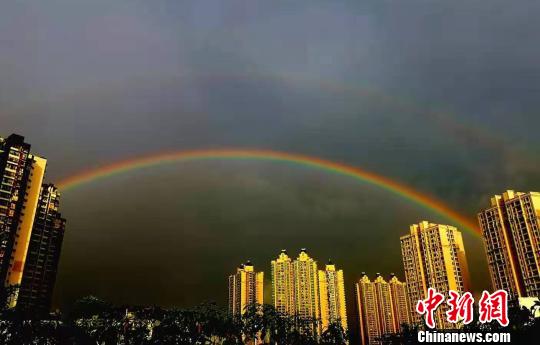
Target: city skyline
[
  {"x": 35, "y": 169},
  {"x": 84, "y": 178},
  {"x": 53, "y": 192},
  {"x": 433, "y": 256}
]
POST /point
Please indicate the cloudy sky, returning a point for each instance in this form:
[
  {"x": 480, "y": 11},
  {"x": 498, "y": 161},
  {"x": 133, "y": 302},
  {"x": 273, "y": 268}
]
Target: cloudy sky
[{"x": 440, "y": 95}]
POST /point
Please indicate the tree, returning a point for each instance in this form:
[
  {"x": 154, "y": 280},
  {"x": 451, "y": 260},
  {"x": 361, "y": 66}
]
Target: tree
[
  {"x": 253, "y": 322},
  {"x": 334, "y": 334}
]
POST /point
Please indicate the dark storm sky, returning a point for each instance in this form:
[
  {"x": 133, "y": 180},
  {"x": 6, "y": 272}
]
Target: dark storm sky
[{"x": 440, "y": 95}]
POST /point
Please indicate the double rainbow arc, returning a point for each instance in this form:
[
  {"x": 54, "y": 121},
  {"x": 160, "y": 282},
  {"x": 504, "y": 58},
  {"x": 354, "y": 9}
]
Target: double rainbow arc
[{"x": 359, "y": 174}]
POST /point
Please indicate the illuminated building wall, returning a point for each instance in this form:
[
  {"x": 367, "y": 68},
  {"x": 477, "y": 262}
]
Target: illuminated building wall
[
  {"x": 332, "y": 297},
  {"x": 245, "y": 288},
  {"x": 434, "y": 256},
  {"x": 21, "y": 177},
  {"x": 510, "y": 228},
  {"x": 381, "y": 307},
  {"x": 35, "y": 293}
]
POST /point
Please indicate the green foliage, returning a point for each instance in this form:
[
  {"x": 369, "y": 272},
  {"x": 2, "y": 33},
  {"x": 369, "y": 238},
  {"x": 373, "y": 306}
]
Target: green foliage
[
  {"x": 334, "y": 334},
  {"x": 93, "y": 321}
]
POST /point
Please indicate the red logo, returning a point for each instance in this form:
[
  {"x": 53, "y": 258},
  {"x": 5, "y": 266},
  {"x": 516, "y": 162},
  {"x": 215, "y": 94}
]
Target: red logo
[
  {"x": 429, "y": 305},
  {"x": 461, "y": 307},
  {"x": 492, "y": 307}
]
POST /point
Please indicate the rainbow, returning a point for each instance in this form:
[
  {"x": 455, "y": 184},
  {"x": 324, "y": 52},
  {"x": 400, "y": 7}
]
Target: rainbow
[{"x": 274, "y": 156}]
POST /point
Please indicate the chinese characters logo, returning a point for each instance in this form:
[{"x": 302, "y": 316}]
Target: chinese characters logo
[{"x": 491, "y": 307}]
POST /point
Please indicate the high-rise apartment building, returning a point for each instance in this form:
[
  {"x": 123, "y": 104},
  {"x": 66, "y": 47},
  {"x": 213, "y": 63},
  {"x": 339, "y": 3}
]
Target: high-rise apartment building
[
  {"x": 245, "y": 288},
  {"x": 295, "y": 290},
  {"x": 35, "y": 293},
  {"x": 332, "y": 297},
  {"x": 367, "y": 309},
  {"x": 283, "y": 284},
  {"x": 433, "y": 256},
  {"x": 306, "y": 287},
  {"x": 381, "y": 307},
  {"x": 510, "y": 228},
  {"x": 400, "y": 302},
  {"x": 31, "y": 228},
  {"x": 21, "y": 176}
]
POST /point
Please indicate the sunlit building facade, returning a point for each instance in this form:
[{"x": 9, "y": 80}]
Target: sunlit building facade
[
  {"x": 383, "y": 298},
  {"x": 510, "y": 228},
  {"x": 245, "y": 288},
  {"x": 35, "y": 293},
  {"x": 306, "y": 289},
  {"x": 367, "y": 310},
  {"x": 381, "y": 307},
  {"x": 21, "y": 177},
  {"x": 295, "y": 289},
  {"x": 434, "y": 256},
  {"x": 400, "y": 302},
  {"x": 332, "y": 297},
  {"x": 283, "y": 284}
]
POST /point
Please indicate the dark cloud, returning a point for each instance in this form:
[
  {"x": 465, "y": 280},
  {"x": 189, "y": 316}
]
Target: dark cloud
[
  {"x": 170, "y": 235},
  {"x": 439, "y": 95}
]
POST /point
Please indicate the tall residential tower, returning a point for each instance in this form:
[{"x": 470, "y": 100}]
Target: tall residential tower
[
  {"x": 381, "y": 307},
  {"x": 400, "y": 302},
  {"x": 283, "y": 284},
  {"x": 306, "y": 287},
  {"x": 332, "y": 297},
  {"x": 317, "y": 298},
  {"x": 511, "y": 232},
  {"x": 31, "y": 228},
  {"x": 21, "y": 176},
  {"x": 245, "y": 288},
  {"x": 35, "y": 293},
  {"x": 433, "y": 256}
]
